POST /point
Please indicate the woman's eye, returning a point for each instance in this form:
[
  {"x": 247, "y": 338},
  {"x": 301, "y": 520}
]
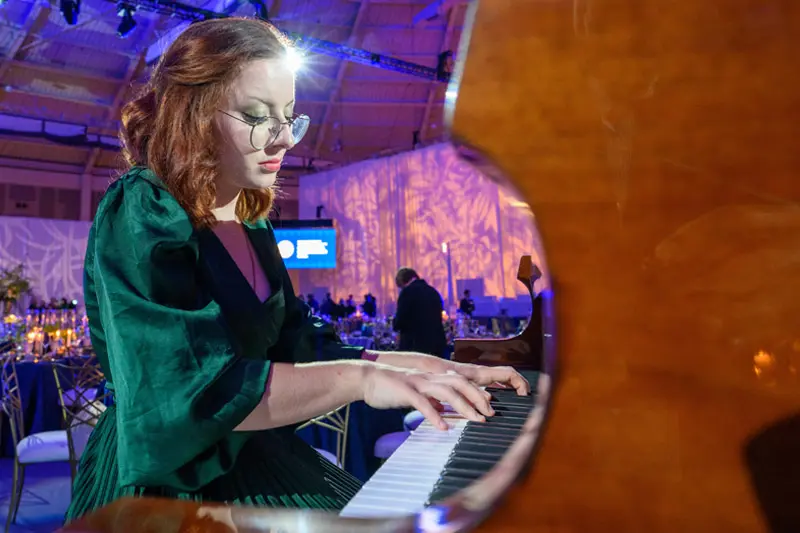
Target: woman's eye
[{"x": 252, "y": 119}]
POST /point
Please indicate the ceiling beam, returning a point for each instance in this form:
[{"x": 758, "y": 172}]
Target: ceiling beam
[
  {"x": 353, "y": 103},
  {"x": 63, "y": 71},
  {"x": 421, "y": 3},
  {"x": 63, "y": 31},
  {"x": 33, "y": 24},
  {"x": 133, "y": 68},
  {"x": 446, "y": 45},
  {"x": 337, "y": 84}
]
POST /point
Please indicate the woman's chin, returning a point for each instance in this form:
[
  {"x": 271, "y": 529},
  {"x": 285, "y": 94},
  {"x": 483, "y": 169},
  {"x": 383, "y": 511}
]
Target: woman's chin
[{"x": 262, "y": 180}]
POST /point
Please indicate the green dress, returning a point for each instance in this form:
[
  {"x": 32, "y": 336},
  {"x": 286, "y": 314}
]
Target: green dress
[{"x": 186, "y": 346}]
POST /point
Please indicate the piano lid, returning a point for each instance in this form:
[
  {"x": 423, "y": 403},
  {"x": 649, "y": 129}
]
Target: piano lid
[{"x": 522, "y": 351}]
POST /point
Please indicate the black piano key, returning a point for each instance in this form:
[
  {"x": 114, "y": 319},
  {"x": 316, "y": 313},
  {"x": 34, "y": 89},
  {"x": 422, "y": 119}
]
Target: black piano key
[
  {"x": 444, "y": 490},
  {"x": 509, "y": 389},
  {"x": 486, "y": 440},
  {"x": 483, "y": 444},
  {"x": 478, "y": 428},
  {"x": 511, "y": 398},
  {"x": 465, "y": 474},
  {"x": 512, "y": 406},
  {"x": 509, "y": 411},
  {"x": 503, "y": 422},
  {"x": 470, "y": 463},
  {"x": 489, "y": 450}
]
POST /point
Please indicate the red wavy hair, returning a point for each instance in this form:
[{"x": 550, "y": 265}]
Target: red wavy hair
[{"x": 168, "y": 127}]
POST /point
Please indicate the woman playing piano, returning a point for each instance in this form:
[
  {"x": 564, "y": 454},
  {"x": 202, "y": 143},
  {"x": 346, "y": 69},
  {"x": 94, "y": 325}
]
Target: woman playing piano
[{"x": 211, "y": 357}]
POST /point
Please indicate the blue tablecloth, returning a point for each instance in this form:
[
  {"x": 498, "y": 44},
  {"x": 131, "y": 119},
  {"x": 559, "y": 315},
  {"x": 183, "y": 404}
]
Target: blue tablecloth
[{"x": 41, "y": 408}]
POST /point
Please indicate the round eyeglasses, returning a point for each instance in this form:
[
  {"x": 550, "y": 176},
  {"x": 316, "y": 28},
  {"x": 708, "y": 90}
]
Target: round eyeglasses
[{"x": 265, "y": 130}]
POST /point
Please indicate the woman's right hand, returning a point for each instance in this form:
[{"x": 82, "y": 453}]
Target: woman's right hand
[{"x": 390, "y": 387}]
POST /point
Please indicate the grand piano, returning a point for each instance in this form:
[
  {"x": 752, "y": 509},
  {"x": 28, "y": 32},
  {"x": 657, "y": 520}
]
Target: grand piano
[
  {"x": 432, "y": 466},
  {"x": 656, "y": 143}
]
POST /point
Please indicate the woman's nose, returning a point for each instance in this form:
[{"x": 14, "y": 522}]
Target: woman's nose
[{"x": 285, "y": 139}]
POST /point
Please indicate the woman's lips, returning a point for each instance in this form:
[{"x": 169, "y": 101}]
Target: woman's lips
[{"x": 271, "y": 165}]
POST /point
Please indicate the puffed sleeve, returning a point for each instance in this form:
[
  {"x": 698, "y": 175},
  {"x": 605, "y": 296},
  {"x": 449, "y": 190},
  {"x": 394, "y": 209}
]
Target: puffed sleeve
[{"x": 180, "y": 389}]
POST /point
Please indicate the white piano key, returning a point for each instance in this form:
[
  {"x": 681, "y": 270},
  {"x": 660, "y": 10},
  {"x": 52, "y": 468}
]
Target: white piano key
[{"x": 406, "y": 479}]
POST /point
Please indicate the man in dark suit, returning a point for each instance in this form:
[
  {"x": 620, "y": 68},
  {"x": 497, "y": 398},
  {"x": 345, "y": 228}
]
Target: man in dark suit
[
  {"x": 419, "y": 315},
  {"x": 467, "y": 304}
]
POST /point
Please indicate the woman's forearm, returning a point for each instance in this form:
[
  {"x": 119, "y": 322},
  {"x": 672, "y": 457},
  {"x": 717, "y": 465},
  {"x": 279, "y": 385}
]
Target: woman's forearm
[
  {"x": 417, "y": 361},
  {"x": 296, "y": 393}
]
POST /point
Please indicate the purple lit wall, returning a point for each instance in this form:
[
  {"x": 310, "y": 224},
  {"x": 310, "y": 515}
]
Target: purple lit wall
[{"x": 398, "y": 211}]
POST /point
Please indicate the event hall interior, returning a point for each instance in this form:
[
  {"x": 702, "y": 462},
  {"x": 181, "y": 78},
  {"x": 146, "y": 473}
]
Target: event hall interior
[
  {"x": 531, "y": 265},
  {"x": 375, "y": 182}
]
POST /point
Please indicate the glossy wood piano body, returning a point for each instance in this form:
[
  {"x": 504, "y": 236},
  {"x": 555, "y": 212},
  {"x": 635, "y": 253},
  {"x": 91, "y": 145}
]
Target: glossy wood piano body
[{"x": 656, "y": 143}]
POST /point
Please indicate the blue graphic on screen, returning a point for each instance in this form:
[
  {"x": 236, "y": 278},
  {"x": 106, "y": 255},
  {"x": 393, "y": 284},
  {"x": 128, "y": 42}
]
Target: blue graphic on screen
[{"x": 307, "y": 248}]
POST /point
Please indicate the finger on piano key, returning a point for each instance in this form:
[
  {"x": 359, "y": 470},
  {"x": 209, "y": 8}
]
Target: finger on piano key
[{"x": 432, "y": 465}]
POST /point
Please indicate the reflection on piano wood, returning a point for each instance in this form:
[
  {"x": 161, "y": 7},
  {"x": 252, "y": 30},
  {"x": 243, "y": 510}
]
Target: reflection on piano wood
[
  {"x": 523, "y": 351},
  {"x": 432, "y": 465},
  {"x": 656, "y": 143}
]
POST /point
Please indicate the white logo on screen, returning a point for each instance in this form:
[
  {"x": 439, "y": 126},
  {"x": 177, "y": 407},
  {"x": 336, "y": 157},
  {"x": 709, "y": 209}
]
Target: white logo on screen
[
  {"x": 305, "y": 248},
  {"x": 286, "y": 248}
]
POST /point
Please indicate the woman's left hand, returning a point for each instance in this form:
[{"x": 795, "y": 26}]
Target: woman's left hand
[
  {"x": 480, "y": 375},
  {"x": 491, "y": 375}
]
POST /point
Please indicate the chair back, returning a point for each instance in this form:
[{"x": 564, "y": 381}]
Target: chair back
[
  {"x": 82, "y": 395},
  {"x": 337, "y": 421},
  {"x": 12, "y": 398}
]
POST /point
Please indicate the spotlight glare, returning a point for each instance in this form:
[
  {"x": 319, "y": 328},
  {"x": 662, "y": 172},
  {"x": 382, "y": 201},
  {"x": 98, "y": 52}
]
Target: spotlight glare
[{"x": 294, "y": 59}]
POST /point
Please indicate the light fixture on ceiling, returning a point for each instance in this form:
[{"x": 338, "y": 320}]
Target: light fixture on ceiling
[
  {"x": 70, "y": 9},
  {"x": 444, "y": 65},
  {"x": 127, "y": 24},
  {"x": 261, "y": 9}
]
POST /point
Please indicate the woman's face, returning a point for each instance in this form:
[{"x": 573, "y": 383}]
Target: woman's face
[{"x": 264, "y": 88}]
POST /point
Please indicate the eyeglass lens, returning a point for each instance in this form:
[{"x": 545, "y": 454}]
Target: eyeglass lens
[{"x": 268, "y": 131}]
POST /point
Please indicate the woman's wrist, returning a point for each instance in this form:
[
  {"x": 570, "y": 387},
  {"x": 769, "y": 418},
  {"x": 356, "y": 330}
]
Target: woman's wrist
[
  {"x": 413, "y": 360},
  {"x": 355, "y": 374}
]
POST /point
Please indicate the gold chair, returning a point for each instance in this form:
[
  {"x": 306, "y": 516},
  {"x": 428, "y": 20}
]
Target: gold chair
[
  {"x": 337, "y": 421},
  {"x": 42, "y": 447},
  {"x": 79, "y": 381}
]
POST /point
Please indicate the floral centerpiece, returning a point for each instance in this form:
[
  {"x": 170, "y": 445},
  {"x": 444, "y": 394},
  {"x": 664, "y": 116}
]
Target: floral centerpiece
[{"x": 13, "y": 285}]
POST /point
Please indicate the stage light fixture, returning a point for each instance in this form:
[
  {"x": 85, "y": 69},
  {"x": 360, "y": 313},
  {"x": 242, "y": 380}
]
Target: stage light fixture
[
  {"x": 70, "y": 9},
  {"x": 261, "y": 10},
  {"x": 127, "y": 24}
]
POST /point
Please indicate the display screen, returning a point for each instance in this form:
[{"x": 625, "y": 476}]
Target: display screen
[{"x": 307, "y": 247}]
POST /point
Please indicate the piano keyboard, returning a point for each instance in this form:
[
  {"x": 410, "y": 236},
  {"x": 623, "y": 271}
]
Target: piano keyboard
[{"x": 433, "y": 464}]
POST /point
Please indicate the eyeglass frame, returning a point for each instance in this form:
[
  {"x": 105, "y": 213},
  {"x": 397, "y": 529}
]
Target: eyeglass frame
[{"x": 289, "y": 122}]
